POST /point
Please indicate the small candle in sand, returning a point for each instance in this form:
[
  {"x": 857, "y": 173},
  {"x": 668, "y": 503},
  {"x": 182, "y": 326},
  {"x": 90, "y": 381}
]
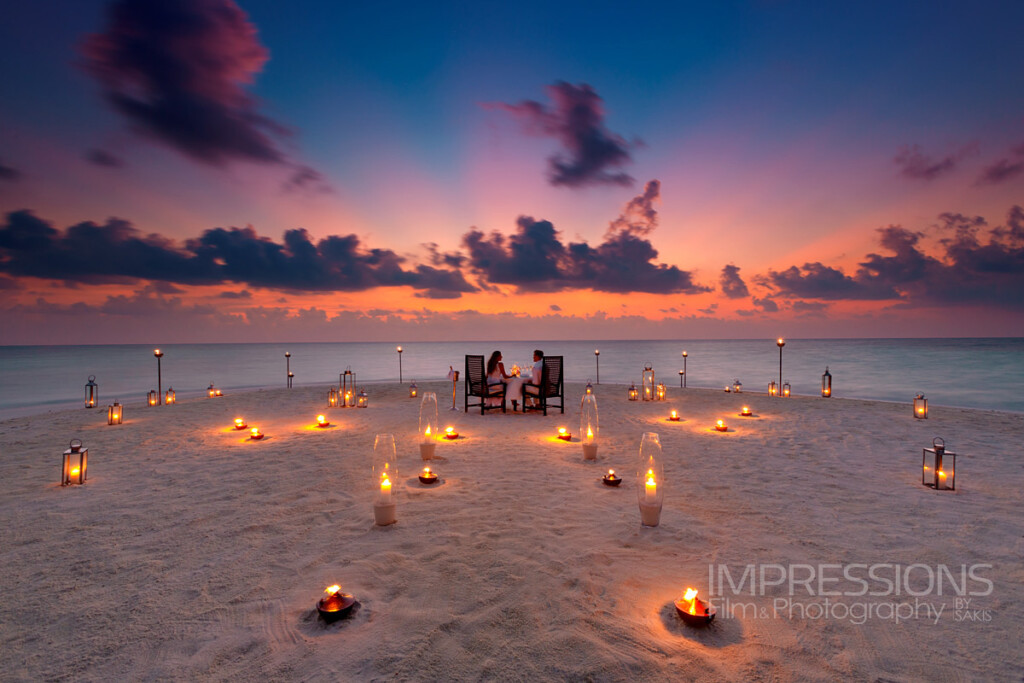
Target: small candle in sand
[
  {"x": 564, "y": 434},
  {"x": 239, "y": 423},
  {"x": 720, "y": 426},
  {"x": 321, "y": 421},
  {"x": 674, "y": 416},
  {"x": 450, "y": 433}
]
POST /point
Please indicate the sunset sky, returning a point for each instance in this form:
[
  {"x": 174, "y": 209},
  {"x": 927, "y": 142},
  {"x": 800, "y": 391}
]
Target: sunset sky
[{"x": 211, "y": 170}]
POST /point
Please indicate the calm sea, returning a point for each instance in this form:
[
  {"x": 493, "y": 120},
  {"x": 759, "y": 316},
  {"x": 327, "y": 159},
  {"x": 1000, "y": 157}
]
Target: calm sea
[{"x": 976, "y": 373}]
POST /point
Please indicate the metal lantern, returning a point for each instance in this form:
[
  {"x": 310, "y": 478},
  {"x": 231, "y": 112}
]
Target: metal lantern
[
  {"x": 786, "y": 390},
  {"x": 650, "y": 480},
  {"x": 347, "y": 387},
  {"x": 115, "y": 414},
  {"x": 661, "y": 392},
  {"x": 74, "y": 464},
  {"x": 588, "y": 426},
  {"x": 920, "y": 407},
  {"x": 647, "y": 383},
  {"x": 590, "y": 388},
  {"x": 938, "y": 466},
  {"x": 413, "y": 390},
  {"x": 634, "y": 394},
  {"x": 364, "y": 400},
  {"x": 385, "y": 476},
  {"x": 152, "y": 398},
  {"x": 332, "y": 398},
  {"x": 429, "y": 425},
  {"x": 92, "y": 392},
  {"x": 211, "y": 391},
  {"x": 826, "y": 384},
  {"x": 170, "y": 398},
  {"x": 737, "y": 386},
  {"x": 773, "y": 388}
]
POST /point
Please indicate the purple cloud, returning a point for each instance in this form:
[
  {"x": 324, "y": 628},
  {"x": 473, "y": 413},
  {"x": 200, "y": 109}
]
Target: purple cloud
[
  {"x": 117, "y": 252},
  {"x": 534, "y": 258},
  {"x": 914, "y": 164},
  {"x": 590, "y": 154},
  {"x": 732, "y": 284},
  {"x": 1003, "y": 169},
  {"x": 9, "y": 174},
  {"x": 178, "y": 72}
]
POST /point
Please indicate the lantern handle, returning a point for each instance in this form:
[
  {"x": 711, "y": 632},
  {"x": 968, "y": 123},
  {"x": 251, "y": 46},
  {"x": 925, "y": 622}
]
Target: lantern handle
[
  {"x": 75, "y": 445},
  {"x": 92, "y": 378},
  {"x": 938, "y": 442}
]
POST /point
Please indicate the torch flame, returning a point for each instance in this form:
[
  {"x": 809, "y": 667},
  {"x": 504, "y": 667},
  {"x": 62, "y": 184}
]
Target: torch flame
[{"x": 690, "y": 595}]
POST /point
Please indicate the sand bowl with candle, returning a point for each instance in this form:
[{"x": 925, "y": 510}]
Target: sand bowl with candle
[
  {"x": 693, "y": 611},
  {"x": 335, "y": 604}
]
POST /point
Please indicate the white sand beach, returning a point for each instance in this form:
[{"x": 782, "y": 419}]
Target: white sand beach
[{"x": 194, "y": 554}]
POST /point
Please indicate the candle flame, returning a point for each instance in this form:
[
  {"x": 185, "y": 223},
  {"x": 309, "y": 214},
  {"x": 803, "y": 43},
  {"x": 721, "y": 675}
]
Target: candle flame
[
  {"x": 674, "y": 414},
  {"x": 611, "y": 473},
  {"x": 321, "y": 419},
  {"x": 590, "y": 433},
  {"x": 331, "y": 590},
  {"x": 427, "y": 433},
  {"x": 426, "y": 470},
  {"x": 650, "y": 480},
  {"x": 720, "y": 424},
  {"x": 74, "y": 471},
  {"x": 255, "y": 431},
  {"x": 691, "y": 593}
]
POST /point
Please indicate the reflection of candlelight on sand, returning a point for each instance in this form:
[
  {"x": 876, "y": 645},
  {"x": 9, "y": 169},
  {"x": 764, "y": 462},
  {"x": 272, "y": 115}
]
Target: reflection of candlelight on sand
[
  {"x": 611, "y": 479},
  {"x": 693, "y": 611},
  {"x": 335, "y": 604}
]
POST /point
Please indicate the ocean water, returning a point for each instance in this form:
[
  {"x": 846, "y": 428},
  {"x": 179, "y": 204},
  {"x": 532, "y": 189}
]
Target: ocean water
[{"x": 975, "y": 373}]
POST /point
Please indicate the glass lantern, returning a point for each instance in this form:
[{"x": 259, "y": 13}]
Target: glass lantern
[
  {"x": 211, "y": 391},
  {"x": 363, "y": 400},
  {"x": 171, "y": 397},
  {"x": 826, "y": 384},
  {"x": 773, "y": 388},
  {"x": 938, "y": 466},
  {"x": 115, "y": 414},
  {"x": 347, "y": 387},
  {"x": 92, "y": 392},
  {"x": 332, "y": 398},
  {"x": 786, "y": 390},
  {"x": 737, "y": 386},
  {"x": 151, "y": 397},
  {"x": 413, "y": 390},
  {"x": 650, "y": 480},
  {"x": 661, "y": 392},
  {"x": 428, "y": 425},
  {"x": 588, "y": 426},
  {"x": 589, "y": 389},
  {"x": 647, "y": 383},
  {"x": 920, "y": 407},
  {"x": 74, "y": 464},
  {"x": 634, "y": 394},
  {"x": 385, "y": 477}
]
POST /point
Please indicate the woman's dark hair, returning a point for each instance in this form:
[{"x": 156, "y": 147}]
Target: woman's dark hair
[{"x": 492, "y": 362}]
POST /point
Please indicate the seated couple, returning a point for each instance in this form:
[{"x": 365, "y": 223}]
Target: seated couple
[{"x": 513, "y": 384}]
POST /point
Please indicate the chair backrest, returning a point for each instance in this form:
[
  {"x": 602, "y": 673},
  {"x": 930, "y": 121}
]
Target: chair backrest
[
  {"x": 551, "y": 378},
  {"x": 476, "y": 380}
]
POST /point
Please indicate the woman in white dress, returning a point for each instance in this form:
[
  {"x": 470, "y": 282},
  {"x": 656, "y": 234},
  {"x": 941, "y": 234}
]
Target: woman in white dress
[{"x": 496, "y": 375}]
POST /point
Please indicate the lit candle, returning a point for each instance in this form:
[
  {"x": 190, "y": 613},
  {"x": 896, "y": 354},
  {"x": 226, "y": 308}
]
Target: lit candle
[
  {"x": 255, "y": 433},
  {"x": 651, "y": 488},
  {"x": 385, "y": 489},
  {"x": 674, "y": 416},
  {"x": 746, "y": 411},
  {"x": 75, "y": 471},
  {"x": 720, "y": 426},
  {"x": 321, "y": 421},
  {"x": 450, "y": 433},
  {"x": 426, "y": 434},
  {"x": 564, "y": 434},
  {"x": 942, "y": 480}
]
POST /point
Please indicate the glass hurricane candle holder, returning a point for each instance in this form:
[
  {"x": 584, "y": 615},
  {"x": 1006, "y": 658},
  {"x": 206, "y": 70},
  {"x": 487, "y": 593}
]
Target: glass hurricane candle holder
[
  {"x": 92, "y": 392},
  {"x": 428, "y": 425},
  {"x": 786, "y": 390},
  {"x": 589, "y": 427},
  {"x": 938, "y": 466},
  {"x": 332, "y": 398},
  {"x": 660, "y": 392},
  {"x": 74, "y": 463},
  {"x": 385, "y": 474},
  {"x": 650, "y": 480},
  {"x": 773, "y": 388},
  {"x": 363, "y": 401},
  {"x": 171, "y": 397},
  {"x": 647, "y": 383}
]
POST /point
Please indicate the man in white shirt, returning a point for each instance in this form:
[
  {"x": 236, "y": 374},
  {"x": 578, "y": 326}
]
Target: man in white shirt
[{"x": 537, "y": 373}]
